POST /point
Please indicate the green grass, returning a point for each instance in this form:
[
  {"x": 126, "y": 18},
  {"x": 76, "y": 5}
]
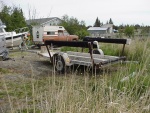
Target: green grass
[
  {"x": 74, "y": 49},
  {"x": 13, "y": 53},
  {"x": 118, "y": 88},
  {"x": 4, "y": 71}
]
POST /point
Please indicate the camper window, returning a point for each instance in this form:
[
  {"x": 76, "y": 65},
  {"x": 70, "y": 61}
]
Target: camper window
[
  {"x": 37, "y": 34},
  {"x": 50, "y": 33}
]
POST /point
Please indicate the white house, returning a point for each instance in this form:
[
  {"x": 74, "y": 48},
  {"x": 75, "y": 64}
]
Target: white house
[
  {"x": 53, "y": 21},
  {"x": 105, "y": 30}
]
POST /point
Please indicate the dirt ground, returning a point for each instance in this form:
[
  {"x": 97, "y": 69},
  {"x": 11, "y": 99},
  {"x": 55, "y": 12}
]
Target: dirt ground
[{"x": 25, "y": 63}]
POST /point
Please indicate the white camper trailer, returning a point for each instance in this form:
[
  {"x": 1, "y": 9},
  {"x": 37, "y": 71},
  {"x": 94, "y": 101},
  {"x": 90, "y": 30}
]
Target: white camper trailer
[{"x": 56, "y": 33}]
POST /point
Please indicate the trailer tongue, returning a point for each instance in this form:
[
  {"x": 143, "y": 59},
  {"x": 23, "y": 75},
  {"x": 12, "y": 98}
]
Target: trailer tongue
[{"x": 94, "y": 58}]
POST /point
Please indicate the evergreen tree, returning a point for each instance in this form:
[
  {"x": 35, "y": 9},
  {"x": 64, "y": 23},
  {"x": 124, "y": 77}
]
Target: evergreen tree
[
  {"x": 110, "y": 21},
  {"x": 97, "y": 23},
  {"x": 5, "y": 16},
  {"x": 18, "y": 20},
  {"x": 13, "y": 18}
]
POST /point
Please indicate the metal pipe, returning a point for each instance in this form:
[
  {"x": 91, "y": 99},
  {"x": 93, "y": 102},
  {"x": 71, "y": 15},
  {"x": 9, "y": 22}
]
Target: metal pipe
[{"x": 49, "y": 54}]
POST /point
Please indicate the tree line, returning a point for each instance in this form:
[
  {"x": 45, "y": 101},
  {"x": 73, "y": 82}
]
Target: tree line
[
  {"x": 127, "y": 30},
  {"x": 98, "y": 23},
  {"x": 13, "y": 18},
  {"x": 74, "y": 26}
]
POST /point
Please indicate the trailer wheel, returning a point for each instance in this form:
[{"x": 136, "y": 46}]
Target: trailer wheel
[{"x": 59, "y": 63}]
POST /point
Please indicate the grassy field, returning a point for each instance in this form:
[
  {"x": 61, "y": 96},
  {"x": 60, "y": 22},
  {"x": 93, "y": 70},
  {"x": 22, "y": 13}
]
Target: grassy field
[{"x": 121, "y": 88}]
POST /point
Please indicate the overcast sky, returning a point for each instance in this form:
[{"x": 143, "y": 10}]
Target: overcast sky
[{"x": 120, "y": 11}]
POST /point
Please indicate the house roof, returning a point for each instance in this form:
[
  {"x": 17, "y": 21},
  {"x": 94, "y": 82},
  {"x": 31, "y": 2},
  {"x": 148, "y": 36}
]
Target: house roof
[
  {"x": 107, "y": 25},
  {"x": 97, "y": 28},
  {"x": 41, "y": 20}
]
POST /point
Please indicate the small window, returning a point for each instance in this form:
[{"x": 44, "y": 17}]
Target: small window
[
  {"x": 50, "y": 33},
  {"x": 66, "y": 33},
  {"x": 37, "y": 34}
]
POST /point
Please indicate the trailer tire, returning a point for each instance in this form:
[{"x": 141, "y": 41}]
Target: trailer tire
[{"x": 59, "y": 63}]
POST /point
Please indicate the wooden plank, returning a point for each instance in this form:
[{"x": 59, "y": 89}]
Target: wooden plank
[{"x": 78, "y": 62}]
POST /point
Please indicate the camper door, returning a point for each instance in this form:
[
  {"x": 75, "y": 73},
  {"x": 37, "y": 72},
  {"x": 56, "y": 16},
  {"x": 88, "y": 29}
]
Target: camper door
[{"x": 38, "y": 34}]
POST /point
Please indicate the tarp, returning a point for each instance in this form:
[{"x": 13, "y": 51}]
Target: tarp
[{"x": 3, "y": 50}]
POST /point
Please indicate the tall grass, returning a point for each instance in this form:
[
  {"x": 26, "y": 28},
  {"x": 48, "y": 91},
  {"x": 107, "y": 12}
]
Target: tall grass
[{"x": 117, "y": 89}]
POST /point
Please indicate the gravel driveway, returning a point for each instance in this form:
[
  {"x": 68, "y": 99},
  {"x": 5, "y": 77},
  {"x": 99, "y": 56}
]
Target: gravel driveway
[{"x": 26, "y": 64}]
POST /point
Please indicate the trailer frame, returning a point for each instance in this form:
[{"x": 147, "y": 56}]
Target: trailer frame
[{"x": 60, "y": 60}]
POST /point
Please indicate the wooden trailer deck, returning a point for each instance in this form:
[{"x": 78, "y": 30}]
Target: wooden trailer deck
[{"x": 85, "y": 59}]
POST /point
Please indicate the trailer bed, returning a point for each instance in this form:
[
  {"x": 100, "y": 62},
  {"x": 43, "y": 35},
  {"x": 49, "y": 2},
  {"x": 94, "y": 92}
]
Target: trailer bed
[
  {"x": 94, "y": 58},
  {"x": 85, "y": 59},
  {"x": 81, "y": 58}
]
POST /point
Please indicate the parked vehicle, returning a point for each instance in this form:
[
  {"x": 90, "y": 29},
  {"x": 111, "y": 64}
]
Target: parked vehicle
[
  {"x": 95, "y": 58},
  {"x": 55, "y": 33},
  {"x": 13, "y": 38}
]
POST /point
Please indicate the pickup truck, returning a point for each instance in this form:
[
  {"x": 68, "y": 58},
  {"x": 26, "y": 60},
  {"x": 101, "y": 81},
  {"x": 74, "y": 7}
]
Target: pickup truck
[{"x": 51, "y": 33}]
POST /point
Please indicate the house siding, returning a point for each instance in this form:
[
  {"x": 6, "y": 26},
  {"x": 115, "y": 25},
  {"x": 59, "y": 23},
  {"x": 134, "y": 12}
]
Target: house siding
[
  {"x": 97, "y": 33},
  {"x": 103, "y": 31}
]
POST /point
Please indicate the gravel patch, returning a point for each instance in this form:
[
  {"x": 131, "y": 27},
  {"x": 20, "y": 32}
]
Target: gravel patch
[{"x": 25, "y": 64}]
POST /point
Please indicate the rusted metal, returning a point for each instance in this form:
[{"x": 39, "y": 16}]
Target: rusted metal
[
  {"x": 123, "y": 50},
  {"x": 97, "y": 66},
  {"x": 49, "y": 54},
  {"x": 91, "y": 52},
  {"x": 83, "y": 44},
  {"x": 106, "y": 40}
]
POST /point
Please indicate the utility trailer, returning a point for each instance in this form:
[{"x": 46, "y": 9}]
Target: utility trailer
[{"x": 95, "y": 58}]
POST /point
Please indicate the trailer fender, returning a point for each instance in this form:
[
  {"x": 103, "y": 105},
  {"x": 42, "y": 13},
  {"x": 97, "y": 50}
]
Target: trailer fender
[
  {"x": 65, "y": 58},
  {"x": 98, "y": 51},
  {"x": 60, "y": 62}
]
